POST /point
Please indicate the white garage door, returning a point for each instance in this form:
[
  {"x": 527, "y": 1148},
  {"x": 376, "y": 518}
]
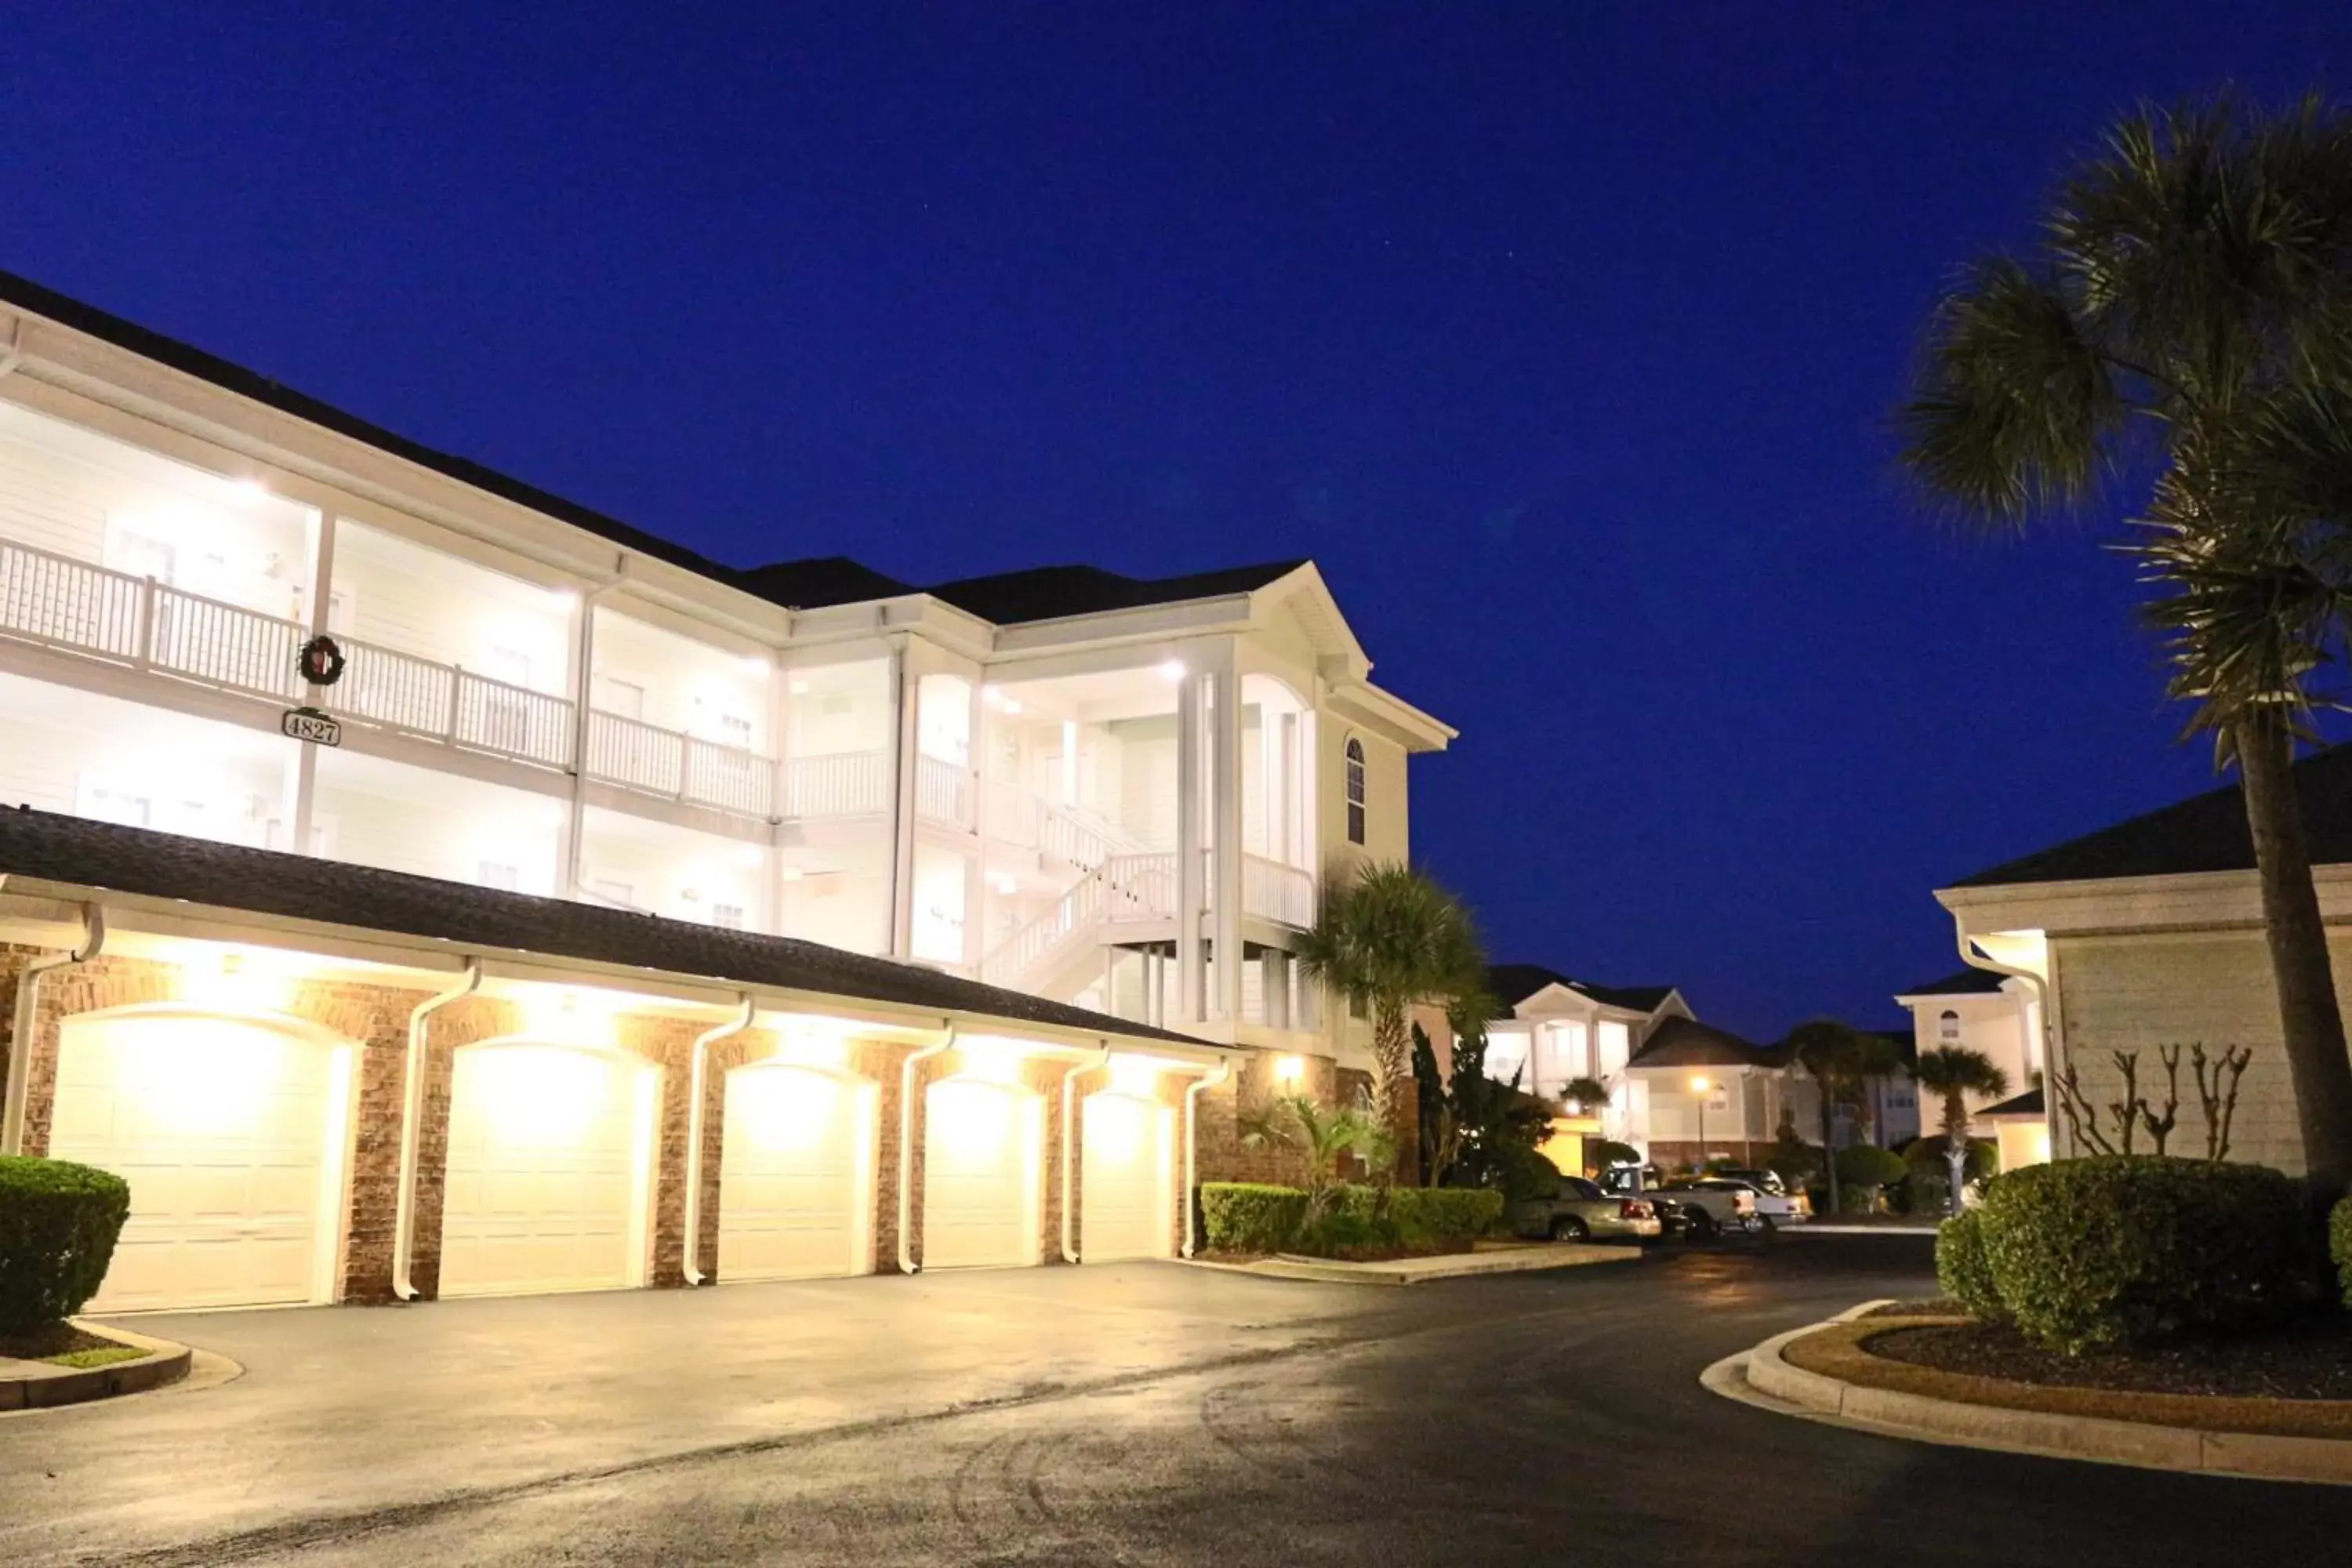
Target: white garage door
[
  {"x": 796, "y": 1173},
  {"x": 983, "y": 1175},
  {"x": 232, "y": 1135},
  {"x": 1126, "y": 1195},
  {"x": 550, "y": 1176}
]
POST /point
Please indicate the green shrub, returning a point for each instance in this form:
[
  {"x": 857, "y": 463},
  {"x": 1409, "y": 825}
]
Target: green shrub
[
  {"x": 1926, "y": 1156},
  {"x": 58, "y": 1222},
  {"x": 1962, "y": 1271},
  {"x": 1443, "y": 1213},
  {"x": 1342, "y": 1231},
  {"x": 2339, "y": 1246},
  {"x": 2127, "y": 1250},
  {"x": 1250, "y": 1217},
  {"x": 1868, "y": 1165}
]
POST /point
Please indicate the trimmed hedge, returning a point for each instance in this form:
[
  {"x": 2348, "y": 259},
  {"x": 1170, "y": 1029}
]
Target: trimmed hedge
[
  {"x": 1250, "y": 1217},
  {"x": 2339, "y": 1246},
  {"x": 2130, "y": 1250},
  {"x": 1245, "y": 1216},
  {"x": 1962, "y": 1269},
  {"x": 1444, "y": 1214},
  {"x": 58, "y": 1223}
]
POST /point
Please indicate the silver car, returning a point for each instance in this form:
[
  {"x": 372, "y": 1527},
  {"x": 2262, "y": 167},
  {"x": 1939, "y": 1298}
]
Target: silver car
[{"x": 1576, "y": 1210}]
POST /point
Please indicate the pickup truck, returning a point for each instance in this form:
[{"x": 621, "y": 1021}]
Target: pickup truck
[{"x": 1714, "y": 1206}]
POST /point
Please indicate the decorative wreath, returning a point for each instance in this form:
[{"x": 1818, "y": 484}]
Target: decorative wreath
[{"x": 323, "y": 661}]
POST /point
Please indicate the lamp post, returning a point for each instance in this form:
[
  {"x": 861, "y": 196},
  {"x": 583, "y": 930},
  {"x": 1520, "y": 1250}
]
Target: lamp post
[{"x": 1699, "y": 1097}]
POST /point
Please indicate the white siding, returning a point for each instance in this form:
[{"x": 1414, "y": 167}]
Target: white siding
[
  {"x": 376, "y": 813},
  {"x": 688, "y": 686},
  {"x": 417, "y": 601}
]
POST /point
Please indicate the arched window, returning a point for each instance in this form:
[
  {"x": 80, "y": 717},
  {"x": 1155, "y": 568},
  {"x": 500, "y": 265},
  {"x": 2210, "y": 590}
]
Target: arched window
[
  {"x": 1355, "y": 792},
  {"x": 1948, "y": 1027}
]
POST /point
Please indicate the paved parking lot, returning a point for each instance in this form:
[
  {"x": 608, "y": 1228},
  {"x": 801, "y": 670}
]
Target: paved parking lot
[{"x": 1130, "y": 1414}]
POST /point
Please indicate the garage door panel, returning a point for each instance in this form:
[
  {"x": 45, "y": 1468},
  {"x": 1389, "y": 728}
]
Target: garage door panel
[
  {"x": 796, "y": 1173},
  {"x": 983, "y": 1174},
  {"x": 229, "y": 1132},
  {"x": 1126, "y": 1192},
  {"x": 544, "y": 1188}
]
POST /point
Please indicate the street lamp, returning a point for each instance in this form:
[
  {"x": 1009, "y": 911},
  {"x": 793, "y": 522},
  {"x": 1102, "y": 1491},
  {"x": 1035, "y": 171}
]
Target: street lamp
[{"x": 1698, "y": 1094}]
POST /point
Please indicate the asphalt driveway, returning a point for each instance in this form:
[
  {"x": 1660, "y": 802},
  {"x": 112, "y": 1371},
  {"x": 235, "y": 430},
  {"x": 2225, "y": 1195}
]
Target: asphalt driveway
[{"x": 1139, "y": 1414}]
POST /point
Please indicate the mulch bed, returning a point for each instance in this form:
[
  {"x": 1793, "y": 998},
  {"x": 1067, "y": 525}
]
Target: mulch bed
[
  {"x": 58, "y": 1339},
  {"x": 1937, "y": 1307},
  {"x": 2310, "y": 1360}
]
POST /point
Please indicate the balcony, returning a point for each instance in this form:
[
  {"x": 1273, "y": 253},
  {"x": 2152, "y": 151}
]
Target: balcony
[
  {"x": 943, "y": 792},
  {"x": 837, "y": 786},
  {"x": 677, "y": 766}
]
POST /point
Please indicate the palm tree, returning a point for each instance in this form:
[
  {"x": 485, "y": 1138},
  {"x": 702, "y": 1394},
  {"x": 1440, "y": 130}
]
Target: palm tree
[
  {"x": 2185, "y": 324},
  {"x": 1841, "y": 1060},
  {"x": 1296, "y": 1122},
  {"x": 1956, "y": 1072},
  {"x": 1388, "y": 940},
  {"x": 1586, "y": 1095}
]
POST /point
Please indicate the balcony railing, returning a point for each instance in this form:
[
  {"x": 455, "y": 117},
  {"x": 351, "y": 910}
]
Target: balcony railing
[
  {"x": 942, "y": 791},
  {"x": 846, "y": 784},
  {"x": 667, "y": 762},
  {"x": 64, "y": 602},
  {"x": 1274, "y": 891}
]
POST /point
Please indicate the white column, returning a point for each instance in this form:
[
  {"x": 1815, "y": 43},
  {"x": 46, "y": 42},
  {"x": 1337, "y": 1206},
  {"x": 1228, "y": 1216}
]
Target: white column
[
  {"x": 301, "y": 787},
  {"x": 1226, "y": 835},
  {"x": 1189, "y": 866},
  {"x": 906, "y": 692},
  {"x": 779, "y": 684},
  {"x": 581, "y": 679}
]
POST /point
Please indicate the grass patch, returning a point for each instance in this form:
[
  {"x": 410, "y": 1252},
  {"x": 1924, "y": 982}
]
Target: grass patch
[{"x": 82, "y": 1361}]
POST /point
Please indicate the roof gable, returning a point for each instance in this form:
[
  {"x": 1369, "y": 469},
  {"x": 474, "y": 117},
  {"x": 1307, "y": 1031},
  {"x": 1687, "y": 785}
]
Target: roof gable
[{"x": 1681, "y": 1042}]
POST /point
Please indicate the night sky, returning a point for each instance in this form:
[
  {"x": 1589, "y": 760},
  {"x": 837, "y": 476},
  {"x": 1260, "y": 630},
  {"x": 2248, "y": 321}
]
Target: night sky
[{"x": 1563, "y": 336}]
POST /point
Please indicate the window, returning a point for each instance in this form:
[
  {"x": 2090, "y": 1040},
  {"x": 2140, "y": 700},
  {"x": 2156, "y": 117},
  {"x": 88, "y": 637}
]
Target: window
[
  {"x": 498, "y": 874},
  {"x": 1948, "y": 1027},
  {"x": 1355, "y": 792},
  {"x": 727, "y": 917},
  {"x": 735, "y": 731}
]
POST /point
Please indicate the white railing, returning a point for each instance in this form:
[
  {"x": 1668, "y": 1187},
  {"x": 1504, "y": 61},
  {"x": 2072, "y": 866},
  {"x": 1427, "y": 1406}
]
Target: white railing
[
  {"x": 496, "y": 717},
  {"x": 1274, "y": 891},
  {"x": 398, "y": 690},
  {"x": 730, "y": 777},
  {"x": 52, "y": 599},
  {"x": 642, "y": 756},
  {"x": 1011, "y": 961},
  {"x": 223, "y": 644},
  {"x": 942, "y": 791},
  {"x": 846, "y": 784},
  {"x": 1139, "y": 887},
  {"x": 1079, "y": 836}
]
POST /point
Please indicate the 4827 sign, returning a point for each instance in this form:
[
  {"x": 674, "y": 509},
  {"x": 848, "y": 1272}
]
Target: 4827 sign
[{"x": 308, "y": 724}]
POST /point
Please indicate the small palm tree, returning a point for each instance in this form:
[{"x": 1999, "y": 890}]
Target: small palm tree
[
  {"x": 1388, "y": 940},
  {"x": 1586, "y": 1094},
  {"x": 1321, "y": 1137},
  {"x": 2184, "y": 323},
  {"x": 1956, "y": 1072},
  {"x": 1838, "y": 1056}
]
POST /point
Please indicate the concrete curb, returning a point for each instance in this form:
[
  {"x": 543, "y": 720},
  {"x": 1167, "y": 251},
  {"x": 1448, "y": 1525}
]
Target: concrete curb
[
  {"x": 1419, "y": 1271},
  {"x": 1765, "y": 1378},
  {"x": 34, "y": 1385}
]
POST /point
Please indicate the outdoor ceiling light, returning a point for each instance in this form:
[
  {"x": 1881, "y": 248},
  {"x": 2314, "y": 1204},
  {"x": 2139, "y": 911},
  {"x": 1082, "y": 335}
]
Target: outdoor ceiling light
[{"x": 1173, "y": 669}]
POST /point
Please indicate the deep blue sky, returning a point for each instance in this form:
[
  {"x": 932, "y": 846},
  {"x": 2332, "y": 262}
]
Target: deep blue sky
[{"x": 1562, "y": 335}]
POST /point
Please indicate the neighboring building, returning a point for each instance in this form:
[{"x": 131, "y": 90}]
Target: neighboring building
[
  {"x": 1896, "y": 1115},
  {"x": 2149, "y": 934},
  {"x": 1707, "y": 1094},
  {"x": 1122, "y": 797},
  {"x": 1552, "y": 1030},
  {"x": 1976, "y": 1009}
]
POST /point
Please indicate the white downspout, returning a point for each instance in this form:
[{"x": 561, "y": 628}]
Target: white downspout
[
  {"x": 1192, "y": 1140},
  {"x": 693, "y": 1124},
  {"x": 905, "y": 1146},
  {"x": 2043, "y": 1047},
  {"x": 1069, "y": 1104},
  {"x": 412, "y": 1128},
  {"x": 20, "y": 1036}
]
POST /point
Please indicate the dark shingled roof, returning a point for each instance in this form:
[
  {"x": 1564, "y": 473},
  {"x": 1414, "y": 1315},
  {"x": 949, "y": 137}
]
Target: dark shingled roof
[
  {"x": 1041, "y": 593},
  {"x": 43, "y": 845},
  {"x": 1966, "y": 983},
  {"x": 1512, "y": 984},
  {"x": 1049, "y": 593},
  {"x": 1687, "y": 1043},
  {"x": 2207, "y": 833},
  {"x": 2026, "y": 1104}
]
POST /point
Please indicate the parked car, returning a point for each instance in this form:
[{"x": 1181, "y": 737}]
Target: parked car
[
  {"x": 1775, "y": 1206},
  {"x": 1713, "y": 1208},
  {"x": 1762, "y": 1180},
  {"x": 1675, "y": 1220},
  {"x": 1575, "y": 1210}
]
